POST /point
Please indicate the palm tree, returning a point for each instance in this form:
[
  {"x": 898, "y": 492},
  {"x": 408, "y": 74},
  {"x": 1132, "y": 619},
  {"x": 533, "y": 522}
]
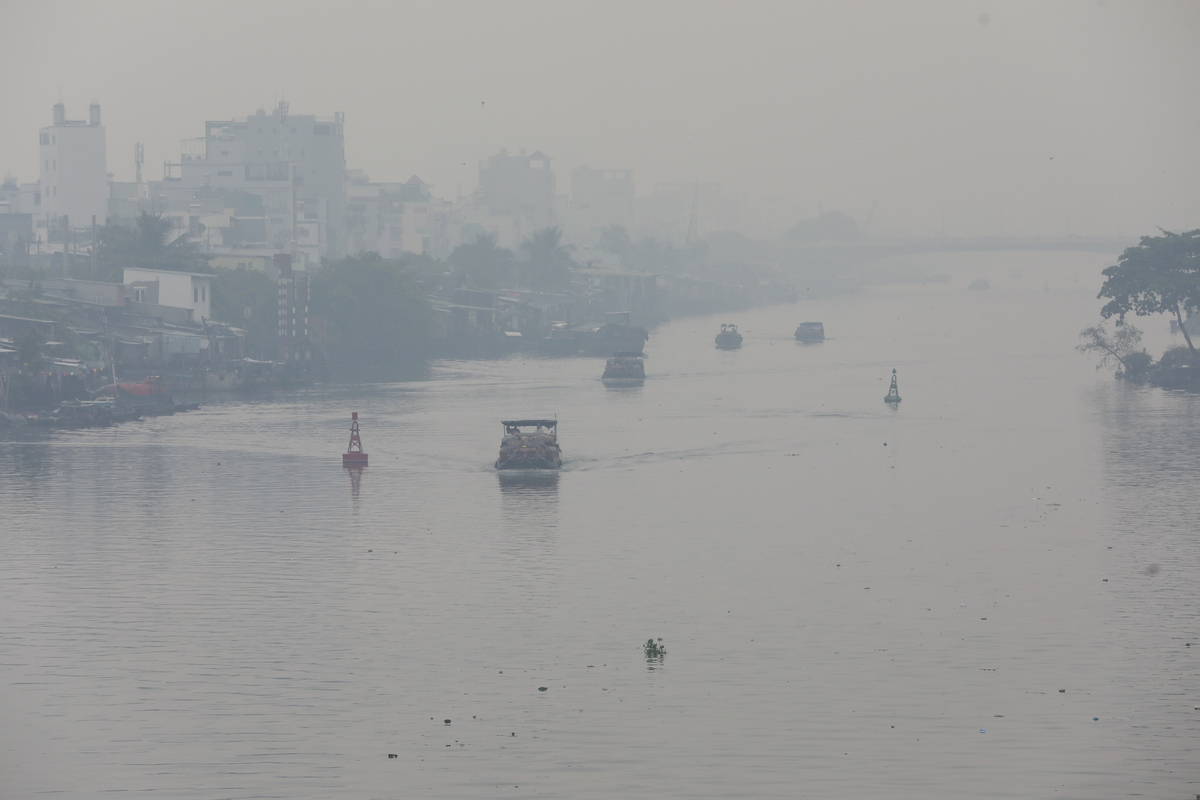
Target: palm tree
[
  {"x": 153, "y": 233},
  {"x": 148, "y": 244},
  {"x": 483, "y": 262},
  {"x": 549, "y": 266}
]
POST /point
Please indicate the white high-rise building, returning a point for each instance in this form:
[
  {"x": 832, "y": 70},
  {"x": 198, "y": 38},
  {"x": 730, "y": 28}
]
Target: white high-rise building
[
  {"x": 74, "y": 169},
  {"x": 272, "y": 181}
]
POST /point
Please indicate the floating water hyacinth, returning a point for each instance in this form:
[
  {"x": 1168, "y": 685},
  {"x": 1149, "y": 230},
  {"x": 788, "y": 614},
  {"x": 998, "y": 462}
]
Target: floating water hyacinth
[{"x": 654, "y": 649}]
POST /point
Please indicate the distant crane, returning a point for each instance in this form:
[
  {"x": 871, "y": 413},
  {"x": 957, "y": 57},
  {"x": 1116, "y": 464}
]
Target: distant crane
[
  {"x": 866, "y": 231},
  {"x": 694, "y": 220}
]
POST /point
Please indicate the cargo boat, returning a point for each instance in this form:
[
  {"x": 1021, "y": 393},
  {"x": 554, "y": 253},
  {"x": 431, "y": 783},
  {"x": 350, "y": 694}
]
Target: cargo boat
[
  {"x": 625, "y": 369},
  {"x": 522, "y": 448}
]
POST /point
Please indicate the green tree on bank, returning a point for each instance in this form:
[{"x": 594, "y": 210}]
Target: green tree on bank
[
  {"x": 1121, "y": 347},
  {"x": 375, "y": 313},
  {"x": 1161, "y": 275},
  {"x": 550, "y": 264},
  {"x": 248, "y": 299},
  {"x": 483, "y": 263},
  {"x": 149, "y": 244}
]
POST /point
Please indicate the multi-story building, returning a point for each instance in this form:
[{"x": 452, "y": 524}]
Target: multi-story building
[
  {"x": 515, "y": 198},
  {"x": 520, "y": 185},
  {"x": 270, "y": 181},
  {"x": 392, "y": 219},
  {"x": 599, "y": 198},
  {"x": 73, "y": 171}
]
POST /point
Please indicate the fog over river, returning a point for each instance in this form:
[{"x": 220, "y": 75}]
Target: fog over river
[{"x": 856, "y": 601}]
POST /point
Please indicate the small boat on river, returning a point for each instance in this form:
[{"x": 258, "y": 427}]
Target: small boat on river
[
  {"x": 625, "y": 368},
  {"x": 529, "y": 444},
  {"x": 150, "y": 395},
  {"x": 810, "y": 332},
  {"x": 729, "y": 338},
  {"x": 84, "y": 414}
]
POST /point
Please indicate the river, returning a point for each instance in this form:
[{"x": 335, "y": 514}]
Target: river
[{"x": 986, "y": 592}]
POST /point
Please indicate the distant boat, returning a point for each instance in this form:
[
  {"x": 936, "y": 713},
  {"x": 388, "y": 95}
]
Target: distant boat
[
  {"x": 809, "y": 332},
  {"x": 729, "y": 338},
  {"x": 625, "y": 369},
  {"x": 979, "y": 285},
  {"x": 525, "y": 449}
]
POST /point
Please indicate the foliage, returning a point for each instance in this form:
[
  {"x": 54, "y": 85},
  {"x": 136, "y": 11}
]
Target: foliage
[
  {"x": 1161, "y": 275},
  {"x": 1114, "y": 348},
  {"x": 654, "y": 649},
  {"x": 29, "y": 348},
  {"x": 549, "y": 266},
  {"x": 1176, "y": 356},
  {"x": 421, "y": 263},
  {"x": 148, "y": 245},
  {"x": 1138, "y": 363},
  {"x": 615, "y": 239},
  {"x": 375, "y": 313},
  {"x": 483, "y": 263},
  {"x": 249, "y": 300}
]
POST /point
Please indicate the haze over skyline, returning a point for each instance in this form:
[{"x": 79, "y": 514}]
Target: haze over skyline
[{"x": 976, "y": 118}]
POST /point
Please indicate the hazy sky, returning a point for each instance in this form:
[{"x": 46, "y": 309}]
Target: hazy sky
[{"x": 1032, "y": 117}]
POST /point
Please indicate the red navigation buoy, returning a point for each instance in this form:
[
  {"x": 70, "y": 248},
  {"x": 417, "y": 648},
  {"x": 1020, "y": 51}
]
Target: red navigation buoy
[{"x": 354, "y": 455}]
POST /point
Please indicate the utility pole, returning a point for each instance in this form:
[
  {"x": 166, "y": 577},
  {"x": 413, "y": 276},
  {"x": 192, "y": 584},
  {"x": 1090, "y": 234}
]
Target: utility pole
[{"x": 66, "y": 234}]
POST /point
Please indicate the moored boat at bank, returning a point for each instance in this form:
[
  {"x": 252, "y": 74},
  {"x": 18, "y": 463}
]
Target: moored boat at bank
[
  {"x": 150, "y": 396},
  {"x": 522, "y": 448},
  {"x": 84, "y": 414}
]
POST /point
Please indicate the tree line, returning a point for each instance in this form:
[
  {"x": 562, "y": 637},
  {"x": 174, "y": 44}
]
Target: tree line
[{"x": 1161, "y": 275}]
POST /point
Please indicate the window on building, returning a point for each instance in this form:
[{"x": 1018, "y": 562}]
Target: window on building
[
  {"x": 224, "y": 173},
  {"x": 45, "y": 138},
  {"x": 195, "y": 295},
  {"x": 54, "y": 164},
  {"x": 224, "y": 152},
  {"x": 321, "y": 130},
  {"x": 203, "y": 294}
]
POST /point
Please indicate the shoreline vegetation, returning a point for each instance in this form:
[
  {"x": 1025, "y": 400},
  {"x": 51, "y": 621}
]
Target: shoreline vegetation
[
  {"x": 1160, "y": 275},
  {"x": 65, "y": 334}
]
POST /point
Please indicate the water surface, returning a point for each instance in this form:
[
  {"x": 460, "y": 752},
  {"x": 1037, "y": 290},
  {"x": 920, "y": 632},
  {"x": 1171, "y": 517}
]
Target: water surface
[{"x": 856, "y": 601}]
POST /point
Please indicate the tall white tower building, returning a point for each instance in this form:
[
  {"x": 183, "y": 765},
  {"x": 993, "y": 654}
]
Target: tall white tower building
[{"x": 74, "y": 169}]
